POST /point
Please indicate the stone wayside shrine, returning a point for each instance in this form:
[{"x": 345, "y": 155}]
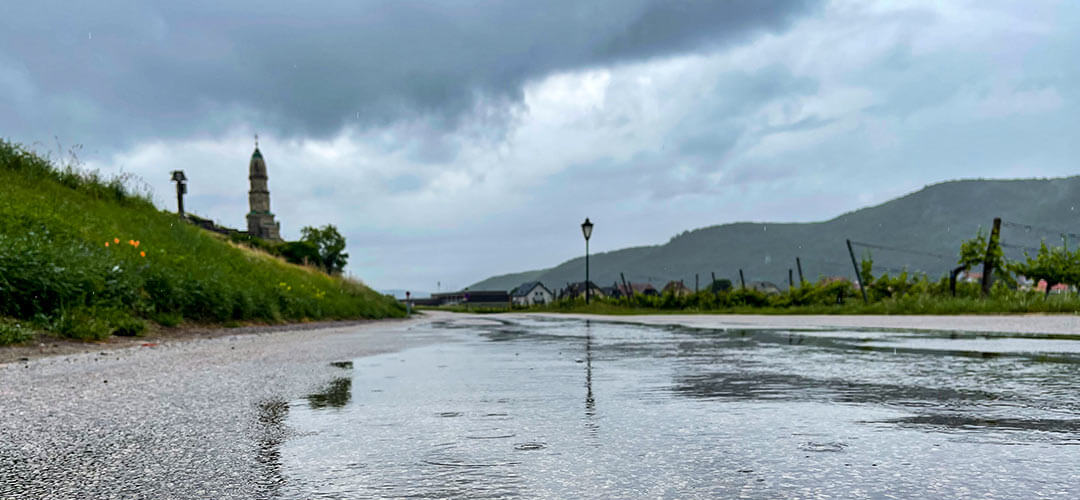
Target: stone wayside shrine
[{"x": 260, "y": 221}]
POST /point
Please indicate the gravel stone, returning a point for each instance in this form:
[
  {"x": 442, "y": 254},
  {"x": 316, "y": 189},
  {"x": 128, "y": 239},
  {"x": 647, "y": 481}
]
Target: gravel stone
[{"x": 176, "y": 419}]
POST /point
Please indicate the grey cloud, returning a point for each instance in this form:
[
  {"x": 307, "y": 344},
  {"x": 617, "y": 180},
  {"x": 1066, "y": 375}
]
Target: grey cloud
[{"x": 116, "y": 72}]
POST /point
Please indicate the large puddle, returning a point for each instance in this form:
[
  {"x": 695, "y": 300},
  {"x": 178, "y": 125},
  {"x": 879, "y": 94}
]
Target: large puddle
[{"x": 568, "y": 409}]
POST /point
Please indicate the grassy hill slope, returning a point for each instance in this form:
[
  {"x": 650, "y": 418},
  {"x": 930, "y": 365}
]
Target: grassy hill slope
[
  {"x": 86, "y": 258},
  {"x": 933, "y": 220}
]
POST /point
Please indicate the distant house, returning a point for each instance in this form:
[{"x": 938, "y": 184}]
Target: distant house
[
  {"x": 531, "y": 293},
  {"x": 1058, "y": 288},
  {"x": 970, "y": 277},
  {"x": 632, "y": 288},
  {"x": 611, "y": 291},
  {"x": 677, "y": 288},
  {"x": 765, "y": 287},
  {"x": 578, "y": 290}
]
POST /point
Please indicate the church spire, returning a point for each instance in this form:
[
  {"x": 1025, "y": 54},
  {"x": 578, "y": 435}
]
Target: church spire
[{"x": 260, "y": 220}]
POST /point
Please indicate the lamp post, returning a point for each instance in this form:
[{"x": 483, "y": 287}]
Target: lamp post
[
  {"x": 181, "y": 189},
  {"x": 586, "y": 229}
]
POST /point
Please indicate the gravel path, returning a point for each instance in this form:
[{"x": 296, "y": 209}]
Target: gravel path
[
  {"x": 1057, "y": 324},
  {"x": 181, "y": 419}
]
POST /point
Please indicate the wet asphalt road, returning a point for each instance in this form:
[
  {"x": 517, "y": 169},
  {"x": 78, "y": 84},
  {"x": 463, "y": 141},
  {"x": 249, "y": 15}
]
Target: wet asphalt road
[
  {"x": 534, "y": 407},
  {"x": 176, "y": 420}
]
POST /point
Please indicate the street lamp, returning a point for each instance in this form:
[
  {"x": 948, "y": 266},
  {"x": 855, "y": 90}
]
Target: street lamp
[
  {"x": 181, "y": 189},
  {"x": 586, "y": 229}
]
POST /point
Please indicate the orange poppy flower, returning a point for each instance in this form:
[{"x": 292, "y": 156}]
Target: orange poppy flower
[
  {"x": 106, "y": 243},
  {"x": 142, "y": 254},
  {"x": 116, "y": 240}
]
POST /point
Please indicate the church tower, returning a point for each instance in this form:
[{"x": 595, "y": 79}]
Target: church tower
[{"x": 259, "y": 220}]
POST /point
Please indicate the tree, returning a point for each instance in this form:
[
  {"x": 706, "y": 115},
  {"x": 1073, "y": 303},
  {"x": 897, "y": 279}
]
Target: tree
[
  {"x": 1055, "y": 265},
  {"x": 973, "y": 253},
  {"x": 331, "y": 247},
  {"x": 301, "y": 252}
]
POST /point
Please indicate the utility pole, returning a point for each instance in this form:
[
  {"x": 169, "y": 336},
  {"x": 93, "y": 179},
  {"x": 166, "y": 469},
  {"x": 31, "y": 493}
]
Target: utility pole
[{"x": 798, "y": 264}]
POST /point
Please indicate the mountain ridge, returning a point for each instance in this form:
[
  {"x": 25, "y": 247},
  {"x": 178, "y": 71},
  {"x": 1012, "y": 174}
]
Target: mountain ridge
[{"x": 920, "y": 231}]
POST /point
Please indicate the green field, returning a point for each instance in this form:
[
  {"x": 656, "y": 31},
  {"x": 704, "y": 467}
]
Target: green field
[
  {"x": 85, "y": 257},
  {"x": 902, "y": 294}
]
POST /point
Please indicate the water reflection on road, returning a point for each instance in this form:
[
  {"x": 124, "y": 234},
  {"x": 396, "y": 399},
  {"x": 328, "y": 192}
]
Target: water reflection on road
[{"x": 562, "y": 409}]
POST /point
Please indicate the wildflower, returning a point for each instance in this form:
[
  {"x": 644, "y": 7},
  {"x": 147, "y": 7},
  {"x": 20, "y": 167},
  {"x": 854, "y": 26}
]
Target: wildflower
[
  {"x": 106, "y": 243},
  {"x": 131, "y": 242},
  {"x": 142, "y": 254},
  {"x": 116, "y": 240},
  {"x": 136, "y": 243}
]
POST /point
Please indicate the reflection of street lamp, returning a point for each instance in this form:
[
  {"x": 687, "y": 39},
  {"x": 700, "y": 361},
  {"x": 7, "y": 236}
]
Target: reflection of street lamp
[
  {"x": 586, "y": 229},
  {"x": 591, "y": 426},
  {"x": 590, "y": 402}
]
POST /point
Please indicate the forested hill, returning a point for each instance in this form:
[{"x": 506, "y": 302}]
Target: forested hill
[{"x": 921, "y": 231}]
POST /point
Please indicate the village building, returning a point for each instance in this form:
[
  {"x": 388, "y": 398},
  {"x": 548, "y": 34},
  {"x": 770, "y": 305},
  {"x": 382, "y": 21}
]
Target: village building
[
  {"x": 611, "y": 291},
  {"x": 260, "y": 221},
  {"x": 677, "y": 288},
  {"x": 578, "y": 290},
  {"x": 530, "y": 294},
  {"x": 766, "y": 287},
  {"x": 636, "y": 288},
  {"x": 492, "y": 298}
]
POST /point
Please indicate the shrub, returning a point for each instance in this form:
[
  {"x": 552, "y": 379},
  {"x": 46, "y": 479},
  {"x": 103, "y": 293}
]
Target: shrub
[
  {"x": 13, "y": 332},
  {"x": 82, "y": 324},
  {"x": 168, "y": 319}
]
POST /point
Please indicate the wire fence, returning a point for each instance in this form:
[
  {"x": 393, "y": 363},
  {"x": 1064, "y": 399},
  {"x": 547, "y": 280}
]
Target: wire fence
[{"x": 1018, "y": 240}]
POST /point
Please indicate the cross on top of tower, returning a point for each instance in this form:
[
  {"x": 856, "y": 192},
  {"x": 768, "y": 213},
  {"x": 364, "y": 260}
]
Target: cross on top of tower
[{"x": 256, "y": 141}]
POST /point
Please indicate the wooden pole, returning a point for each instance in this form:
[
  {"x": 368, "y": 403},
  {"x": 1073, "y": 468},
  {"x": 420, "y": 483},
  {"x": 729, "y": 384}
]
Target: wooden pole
[
  {"x": 626, "y": 289},
  {"x": 952, "y": 278},
  {"x": 988, "y": 264},
  {"x": 858, "y": 276},
  {"x": 798, "y": 264},
  {"x": 742, "y": 281},
  {"x": 790, "y": 279},
  {"x": 695, "y": 282}
]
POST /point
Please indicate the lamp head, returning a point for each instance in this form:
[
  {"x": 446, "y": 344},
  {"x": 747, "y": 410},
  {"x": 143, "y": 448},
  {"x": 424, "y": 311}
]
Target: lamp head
[{"x": 586, "y": 228}]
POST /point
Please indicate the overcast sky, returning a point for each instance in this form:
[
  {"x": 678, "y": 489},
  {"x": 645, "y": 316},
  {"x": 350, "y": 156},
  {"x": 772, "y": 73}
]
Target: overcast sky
[{"x": 450, "y": 141}]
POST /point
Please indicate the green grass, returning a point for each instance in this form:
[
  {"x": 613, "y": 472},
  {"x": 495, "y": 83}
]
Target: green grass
[
  {"x": 13, "y": 332},
  {"x": 897, "y": 295},
  {"x": 915, "y": 305},
  {"x": 85, "y": 257}
]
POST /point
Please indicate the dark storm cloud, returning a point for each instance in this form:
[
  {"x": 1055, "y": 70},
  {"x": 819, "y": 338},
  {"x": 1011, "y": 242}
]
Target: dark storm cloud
[{"x": 117, "y": 72}]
